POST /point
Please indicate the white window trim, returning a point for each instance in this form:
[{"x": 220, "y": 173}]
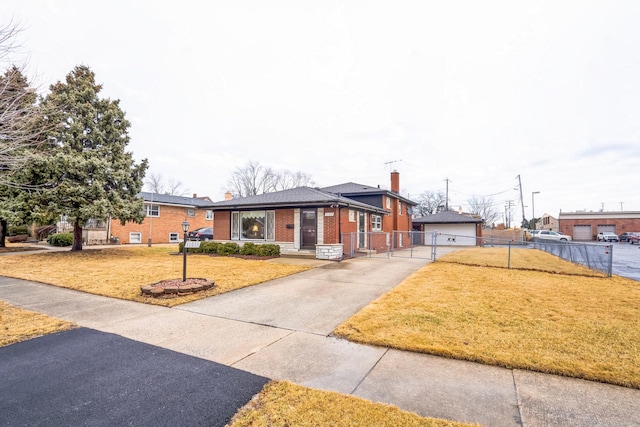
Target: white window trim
[
  {"x": 148, "y": 210},
  {"x": 376, "y": 222},
  {"x": 174, "y": 237},
  {"x": 191, "y": 212},
  {"x": 132, "y": 239},
  {"x": 208, "y": 215},
  {"x": 236, "y": 232}
]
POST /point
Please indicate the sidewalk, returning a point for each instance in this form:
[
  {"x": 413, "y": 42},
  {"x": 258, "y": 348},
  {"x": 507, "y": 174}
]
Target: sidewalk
[{"x": 280, "y": 330}]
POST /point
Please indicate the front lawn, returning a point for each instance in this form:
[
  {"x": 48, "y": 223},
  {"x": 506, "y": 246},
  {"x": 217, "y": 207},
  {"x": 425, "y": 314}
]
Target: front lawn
[
  {"x": 573, "y": 325},
  {"x": 20, "y": 325},
  {"x": 119, "y": 272}
]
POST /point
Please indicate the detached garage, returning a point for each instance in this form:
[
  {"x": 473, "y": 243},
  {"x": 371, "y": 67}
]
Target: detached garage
[{"x": 453, "y": 228}]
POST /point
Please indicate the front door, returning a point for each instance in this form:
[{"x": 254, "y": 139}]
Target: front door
[{"x": 308, "y": 228}]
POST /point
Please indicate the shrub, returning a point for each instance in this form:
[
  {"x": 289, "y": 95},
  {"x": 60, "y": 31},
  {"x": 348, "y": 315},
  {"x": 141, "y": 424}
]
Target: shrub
[
  {"x": 268, "y": 250},
  {"x": 210, "y": 247},
  {"x": 249, "y": 248},
  {"x": 16, "y": 230},
  {"x": 60, "y": 239},
  {"x": 228, "y": 249}
]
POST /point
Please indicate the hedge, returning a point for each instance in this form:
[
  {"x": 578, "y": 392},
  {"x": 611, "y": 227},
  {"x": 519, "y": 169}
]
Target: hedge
[
  {"x": 231, "y": 248},
  {"x": 16, "y": 230},
  {"x": 60, "y": 239}
]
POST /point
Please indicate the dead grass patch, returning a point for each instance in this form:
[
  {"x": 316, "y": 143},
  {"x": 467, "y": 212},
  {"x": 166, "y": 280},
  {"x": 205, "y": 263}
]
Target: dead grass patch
[
  {"x": 119, "y": 272},
  {"x": 583, "y": 327},
  {"x": 20, "y": 325},
  {"x": 521, "y": 259},
  {"x": 285, "y": 404}
]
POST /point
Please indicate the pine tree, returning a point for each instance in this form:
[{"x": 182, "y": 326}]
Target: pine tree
[
  {"x": 94, "y": 175},
  {"x": 19, "y": 137}
]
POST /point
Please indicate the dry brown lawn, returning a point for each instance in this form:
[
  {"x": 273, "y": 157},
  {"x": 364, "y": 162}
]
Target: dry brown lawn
[
  {"x": 119, "y": 272},
  {"x": 283, "y": 404},
  {"x": 573, "y": 325},
  {"x": 21, "y": 325}
]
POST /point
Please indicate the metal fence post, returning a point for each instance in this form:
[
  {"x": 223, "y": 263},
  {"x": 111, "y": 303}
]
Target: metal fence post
[{"x": 434, "y": 242}]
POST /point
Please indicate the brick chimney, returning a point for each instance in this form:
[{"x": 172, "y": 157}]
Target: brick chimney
[
  {"x": 228, "y": 195},
  {"x": 395, "y": 181},
  {"x": 195, "y": 195}
]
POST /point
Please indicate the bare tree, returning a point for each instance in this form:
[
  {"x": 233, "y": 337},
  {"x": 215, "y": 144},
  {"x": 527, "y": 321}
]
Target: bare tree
[
  {"x": 484, "y": 208},
  {"x": 254, "y": 179},
  {"x": 155, "y": 183},
  {"x": 21, "y": 132},
  {"x": 287, "y": 179},
  {"x": 430, "y": 202}
]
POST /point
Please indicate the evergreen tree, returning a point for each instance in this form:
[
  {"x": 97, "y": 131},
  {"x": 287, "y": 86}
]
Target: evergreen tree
[
  {"x": 19, "y": 136},
  {"x": 95, "y": 176}
]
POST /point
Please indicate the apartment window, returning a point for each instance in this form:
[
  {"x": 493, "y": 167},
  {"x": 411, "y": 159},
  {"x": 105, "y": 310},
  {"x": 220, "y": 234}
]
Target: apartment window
[
  {"x": 135, "y": 237},
  {"x": 376, "y": 223},
  {"x": 208, "y": 215},
  {"x": 191, "y": 212},
  {"x": 399, "y": 207},
  {"x": 153, "y": 210},
  {"x": 174, "y": 237},
  {"x": 352, "y": 216},
  {"x": 388, "y": 203}
]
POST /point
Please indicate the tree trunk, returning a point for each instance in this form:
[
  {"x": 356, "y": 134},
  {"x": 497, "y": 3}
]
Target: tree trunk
[
  {"x": 77, "y": 237},
  {"x": 3, "y": 232}
]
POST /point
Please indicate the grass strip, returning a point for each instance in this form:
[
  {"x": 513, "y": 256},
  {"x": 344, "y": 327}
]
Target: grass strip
[{"x": 577, "y": 326}]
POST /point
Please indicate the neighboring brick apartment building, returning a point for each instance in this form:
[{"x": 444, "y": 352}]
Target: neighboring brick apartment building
[
  {"x": 586, "y": 225},
  {"x": 164, "y": 217}
]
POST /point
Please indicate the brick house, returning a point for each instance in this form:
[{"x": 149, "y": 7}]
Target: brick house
[
  {"x": 164, "y": 216},
  {"x": 314, "y": 219},
  {"x": 586, "y": 225}
]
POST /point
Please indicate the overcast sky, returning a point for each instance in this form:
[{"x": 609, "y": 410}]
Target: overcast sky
[{"x": 473, "y": 92}]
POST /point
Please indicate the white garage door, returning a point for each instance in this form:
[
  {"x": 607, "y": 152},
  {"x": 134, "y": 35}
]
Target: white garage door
[
  {"x": 602, "y": 228},
  {"x": 453, "y": 234},
  {"x": 582, "y": 232}
]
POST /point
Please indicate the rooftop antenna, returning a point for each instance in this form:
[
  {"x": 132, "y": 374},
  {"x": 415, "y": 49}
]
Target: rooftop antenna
[{"x": 391, "y": 162}]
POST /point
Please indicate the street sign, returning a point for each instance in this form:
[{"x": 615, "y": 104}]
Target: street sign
[{"x": 192, "y": 244}]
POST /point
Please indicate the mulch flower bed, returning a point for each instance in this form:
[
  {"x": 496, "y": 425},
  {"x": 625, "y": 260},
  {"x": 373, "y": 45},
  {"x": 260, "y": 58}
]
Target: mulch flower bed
[{"x": 176, "y": 287}]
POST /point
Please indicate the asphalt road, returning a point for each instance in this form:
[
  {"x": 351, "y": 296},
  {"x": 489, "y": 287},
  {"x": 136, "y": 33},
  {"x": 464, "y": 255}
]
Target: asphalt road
[{"x": 91, "y": 378}]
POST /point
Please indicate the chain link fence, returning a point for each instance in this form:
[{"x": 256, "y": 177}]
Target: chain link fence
[{"x": 430, "y": 245}]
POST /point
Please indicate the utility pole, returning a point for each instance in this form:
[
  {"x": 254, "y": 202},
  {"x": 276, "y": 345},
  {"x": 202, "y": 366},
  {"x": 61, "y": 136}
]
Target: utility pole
[
  {"x": 508, "y": 213},
  {"x": 621, "y": 206},
  {"x": 521, "y": 199},
  {"x": 446, "y": 200}
]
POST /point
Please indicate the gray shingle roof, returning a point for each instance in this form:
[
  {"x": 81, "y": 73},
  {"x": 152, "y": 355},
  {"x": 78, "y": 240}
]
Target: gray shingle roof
[
  {"x": 174, "y": 200},
  {"x": 353, "y": 189},
  {"x": 447, "y": 217},
  {"x": 295, "y": 197}
]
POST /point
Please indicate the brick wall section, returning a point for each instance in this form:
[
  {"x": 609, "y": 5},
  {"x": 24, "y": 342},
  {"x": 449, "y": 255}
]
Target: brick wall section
[
  {"x": 331, "y": 226},
  {"x": 622, "y": 225},
  {"x": 159, "y": 228},
  {"x": 222, "y": 225},
  {"x": 284, "y": 217}
]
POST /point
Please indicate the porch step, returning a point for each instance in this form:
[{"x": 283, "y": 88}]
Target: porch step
[{"x": 299, "y": 254}]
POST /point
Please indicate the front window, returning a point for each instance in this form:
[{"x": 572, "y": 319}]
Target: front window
[
  {"x": 174, "y": 237},
  {"x": 376, "y": 223},
  {"x": 208, "y": 215},
  {"x": 191, "y": 212},
  {"x": 152, "y": 210},
  {"x": 253, "y": 225}
]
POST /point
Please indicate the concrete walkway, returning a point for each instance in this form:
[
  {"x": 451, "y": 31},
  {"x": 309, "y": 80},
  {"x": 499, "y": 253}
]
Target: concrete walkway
[{"x": 280, "y": 330}]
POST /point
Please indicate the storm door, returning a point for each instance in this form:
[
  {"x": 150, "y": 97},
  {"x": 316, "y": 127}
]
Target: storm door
[
  {"x": 362, "y": 235},
  {"x": 308, "y": 228}
]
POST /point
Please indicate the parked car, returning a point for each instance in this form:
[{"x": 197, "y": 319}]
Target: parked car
[
  {"x": 204, "y": 233},
  {"x": 552, "y": 235},
  {"x": 635, "y": 238},
  {"x": 608, "y": 236},
  {"x": 626, "y": 236}
]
